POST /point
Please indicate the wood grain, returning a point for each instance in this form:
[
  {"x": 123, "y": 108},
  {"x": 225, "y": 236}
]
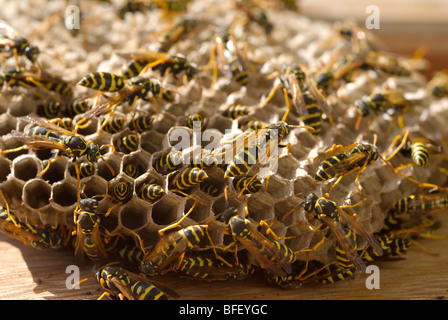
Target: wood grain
[{"x": 31, "y": 274}]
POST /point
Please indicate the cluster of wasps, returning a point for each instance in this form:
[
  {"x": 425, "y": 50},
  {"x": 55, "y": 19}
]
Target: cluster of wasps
[{"x": 308, "y": 93}]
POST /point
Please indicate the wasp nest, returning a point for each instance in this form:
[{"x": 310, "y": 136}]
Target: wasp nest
[{"x": 130, "y": 155}]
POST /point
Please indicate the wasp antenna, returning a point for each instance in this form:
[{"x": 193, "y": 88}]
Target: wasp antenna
[
  {"x": 76, "y": 284},
  {"x": 292, "y": 210},
  {"x": 303, "y": 127},
  {"x": 109, "y": 167}
]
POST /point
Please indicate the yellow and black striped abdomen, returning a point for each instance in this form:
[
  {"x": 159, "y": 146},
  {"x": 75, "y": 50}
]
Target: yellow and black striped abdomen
[
  {"x": 90, "y": 246},
  {"x": 189, "y": 178},
  {"x": 239, "y": 74},
  {"x": 39, "y": 131},
  {"x": 243, "y": 161},
  {"x": 146, "y": 291},
  {"x": 141, "y": 124},
  {"x": 133, "y": 68},
  {"x": 419, "y": 154},
  {"x": 129, "y": 143},
  {"x": 151, "y": 192},
  {"x": 193, "y": 234},
  {"x": 326, "y": 169},
  {"x": 314, "y": 117},
  {"x": 237, "y": 110},
  {"x": 344, "y": 262},
  {"x": 103, "y": 81}
]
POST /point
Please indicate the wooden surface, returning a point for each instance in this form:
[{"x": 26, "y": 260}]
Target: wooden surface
[{"x": 28, "y": 274}]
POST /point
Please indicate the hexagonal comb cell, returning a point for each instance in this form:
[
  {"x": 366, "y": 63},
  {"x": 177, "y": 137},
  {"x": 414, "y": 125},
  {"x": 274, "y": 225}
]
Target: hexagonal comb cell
[
  {"x": 36, "y": 194},
  {"x": 26, "y": 167}
]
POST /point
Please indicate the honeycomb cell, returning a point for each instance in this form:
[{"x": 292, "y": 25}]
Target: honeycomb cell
[
  {"x": 136, "y": 164},
  {"x": 163, "y": 122},
  {"x": 151, "y": 141},
  {"x": 288, "y": 210},
  {"x": 5, "y": 168},
  {"x": 201, "y": 211},
  {"x": 12, "y": 189},
  {"x": 121, "y": 188},
  {"x": 133, "y": 215},
  {"x": 9, "y": 143},
  {"x": 93, "y": 186},
  {"x": 113, "y": 161},
  {"x": 26, "y": 167},
  {"x": 56, "y": 170},
  {"x": 7, "y": 123},
  {"x": 287, "y": 166},
  {"x": 260, "y": 206},
  {"x": 278, "y": 187},
  {"x": 36, "y": 194},
  {"x": 64, "y": 194},
  {"x": 168, "y": 210}
]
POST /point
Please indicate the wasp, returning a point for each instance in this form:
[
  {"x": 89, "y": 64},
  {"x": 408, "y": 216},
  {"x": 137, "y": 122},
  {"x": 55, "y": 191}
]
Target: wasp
[
  {"x": 308, "y": 100},
  {"x": 129, "y": 6},
  {"x": 380, "y": 101},
  {"x": 254, "y": 125},
  {"x": 202, "y": 159},
  {"x": 394, "y": 65},
  {"x": 267, "y": 254},
  {"x": 103, "y": 81},
  {"x": 255, "y": 14},
  {"x": 31, "y": 234},
  {"x": 134, "y": 89},
  {"x": 177, "y": 32},
  {"x": 141, "y": 123},
  {"x": 159, "y": 61},
  {"x": 121, "y": 191},
  {"x": 207, "y": 267},
  {"x": 129, "y": 143},
  {"x": 256, "y": 147},
  {"x": 418, "y": 149},
  {"x": 86, "y": 169},
  {"x": 237, "y": 110},
  {"x": 168, "y": 162},
  {"x": 151, "y": 192},
  {"x": 89, "y": 240},
  {"x": 341, "y": 161},
  {"x": 225, "y": 51},
  {"x": 41, "y": 133},
  {"x": 247, "y": 184},
  {"x": 438, "y": 84},
  {"x": 132, "y": 170},
  {"x": 195, "y": 121},
  {"x": 131, "y": 253},
  {"x": 334, "y": 217},
  {"x": 188, "y": 178},
  {"x": 29, "y": 79},
  {"x": 340, "y": 66},
  {"x": 357, "y": 38},
  {"x": 421, "y": 204},
  {"x": 172, "y": 247},
  {"x": 49, "y": 110},
  {"x": 210, "y": 189},
  {"x": 12, "y": 41},
  {"x": 120, "y": 283},
  {"x": 11, "y": 226},
  {"x": 114, "y": 124}
]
